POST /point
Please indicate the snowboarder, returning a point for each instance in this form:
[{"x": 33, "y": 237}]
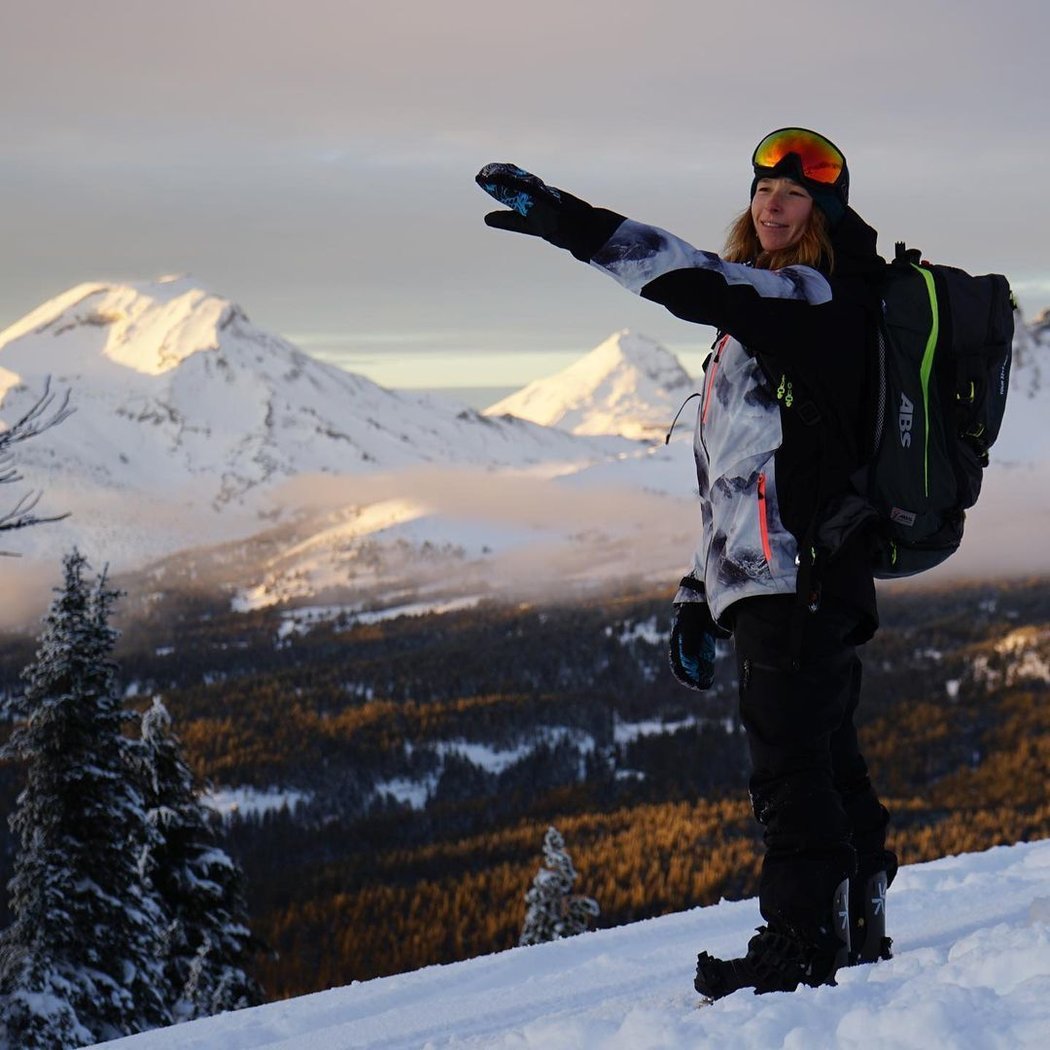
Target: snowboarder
[{"x": 776, "y": 567}]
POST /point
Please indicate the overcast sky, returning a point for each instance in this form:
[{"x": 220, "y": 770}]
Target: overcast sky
[{"x": 314, "y": 160}]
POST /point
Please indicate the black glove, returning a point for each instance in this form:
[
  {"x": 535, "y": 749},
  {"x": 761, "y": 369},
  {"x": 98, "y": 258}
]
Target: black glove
[
  {"x": 543, "y": 211},
  {"x": 692, "y": 649}
]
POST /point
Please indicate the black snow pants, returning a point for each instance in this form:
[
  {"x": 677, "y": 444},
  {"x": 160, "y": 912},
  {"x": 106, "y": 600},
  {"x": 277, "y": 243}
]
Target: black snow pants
[{"x": 809, "y": 786}]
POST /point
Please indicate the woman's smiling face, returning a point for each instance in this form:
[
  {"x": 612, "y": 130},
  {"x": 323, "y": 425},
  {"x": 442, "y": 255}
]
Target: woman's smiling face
[{"x": 780, "y": 211}]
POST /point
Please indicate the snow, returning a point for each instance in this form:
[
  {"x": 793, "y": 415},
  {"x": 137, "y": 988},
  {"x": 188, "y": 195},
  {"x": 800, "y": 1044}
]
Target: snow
[
  {"x": 417, "y": 609},
  {"x": 650, "y": 631},
  {"x": 187, "y": 417},
  {"x": 302, "y": 619},
  {"x": 628, "y": 732},
  {"x": 249, "y": 801},
  {"x": 1024, "y": 661},
  {"x": 193, "y": 427},
  {"x": 631, "y": 511},
  {"x": 1024, "y": 437},
  {"x": 484, "y": 756},
  {"x": 628, "y": 385},
  {"x": 416, "y": 792},
  {"x": 971, "y": 970}
]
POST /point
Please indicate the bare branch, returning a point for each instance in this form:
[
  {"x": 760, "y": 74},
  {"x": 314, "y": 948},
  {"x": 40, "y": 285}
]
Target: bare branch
[
  {"x": 21, "y": 515},
  {"x": 42, "y": 415},
  {"x": 36, "y": 420}
]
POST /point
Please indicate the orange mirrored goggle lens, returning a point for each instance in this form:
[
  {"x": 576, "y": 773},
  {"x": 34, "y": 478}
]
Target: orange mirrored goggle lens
[{"x": 820, "y": 160}]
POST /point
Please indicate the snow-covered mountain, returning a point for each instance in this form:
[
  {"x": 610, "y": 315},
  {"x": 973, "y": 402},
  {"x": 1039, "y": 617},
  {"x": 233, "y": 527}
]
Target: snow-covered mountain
[
  {"x": 186, "y": 413},
  {"x": 194, "y": 427},
  {"x": 971, "y": 968},
  {"x": 1025, "y": 437},
  {"x": 629, "y": 385}
]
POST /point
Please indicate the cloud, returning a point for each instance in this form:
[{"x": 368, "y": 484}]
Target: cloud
[
  {"x": 501, "y": 533},
  {"x": 315, "y": 161},
  {"x": 513, "y": 498},
  {"x": 28, "y": 590},
  {"x": 605, "y": 532}
]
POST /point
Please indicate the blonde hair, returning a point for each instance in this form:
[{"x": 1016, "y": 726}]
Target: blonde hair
[{"x": 813, "y": 248}]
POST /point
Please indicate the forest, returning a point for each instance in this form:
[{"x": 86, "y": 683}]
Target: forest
[{"x": 432, "y": 752}]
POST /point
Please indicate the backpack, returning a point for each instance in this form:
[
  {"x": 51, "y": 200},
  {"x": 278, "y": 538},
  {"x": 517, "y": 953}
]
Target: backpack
[{"x": 943, "y": 346}]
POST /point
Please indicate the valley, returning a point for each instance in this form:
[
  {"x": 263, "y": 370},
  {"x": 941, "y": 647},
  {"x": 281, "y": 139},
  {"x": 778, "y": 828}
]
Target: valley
[{"x": 394, "y": 775}]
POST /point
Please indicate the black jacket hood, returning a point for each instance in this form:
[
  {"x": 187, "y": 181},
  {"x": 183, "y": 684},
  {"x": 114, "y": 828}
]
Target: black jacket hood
[{"x": 855, "y": 244}]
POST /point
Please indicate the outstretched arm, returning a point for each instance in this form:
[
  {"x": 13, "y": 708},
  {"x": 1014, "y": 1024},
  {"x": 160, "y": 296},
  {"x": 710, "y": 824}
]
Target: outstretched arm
[{"x": 759, "y": 307}]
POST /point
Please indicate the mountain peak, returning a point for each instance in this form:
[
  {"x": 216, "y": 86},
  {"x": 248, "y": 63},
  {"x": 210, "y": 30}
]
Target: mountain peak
[
  {"x": 148, "y": 326},
  {"x": 628, "y": 385},
  {"x": 188, "y": 410}
]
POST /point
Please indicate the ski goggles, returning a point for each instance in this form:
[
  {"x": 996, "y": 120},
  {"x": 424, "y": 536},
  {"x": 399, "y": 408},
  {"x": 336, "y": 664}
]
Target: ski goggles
[{"x": 810, "y": 157}]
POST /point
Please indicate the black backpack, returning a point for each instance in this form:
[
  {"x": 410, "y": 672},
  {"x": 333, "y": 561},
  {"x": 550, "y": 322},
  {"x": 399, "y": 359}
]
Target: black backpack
[{"x": 942, "y": 355}]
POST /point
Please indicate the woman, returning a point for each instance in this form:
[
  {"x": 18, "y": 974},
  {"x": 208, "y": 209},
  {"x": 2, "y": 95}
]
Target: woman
[{"x": 782, "y": 562}]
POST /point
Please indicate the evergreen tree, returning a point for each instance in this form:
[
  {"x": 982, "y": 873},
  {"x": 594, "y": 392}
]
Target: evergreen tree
[
  {"x": 553, "y": 911},
  {"x": 207, "y": 940},
  {"x": 79, "y": 961}
]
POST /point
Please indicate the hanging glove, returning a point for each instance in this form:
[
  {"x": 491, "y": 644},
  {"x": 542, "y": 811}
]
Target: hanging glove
[
  {"x": 693, "y": 636},
  {"x": 540, "y": 210}
]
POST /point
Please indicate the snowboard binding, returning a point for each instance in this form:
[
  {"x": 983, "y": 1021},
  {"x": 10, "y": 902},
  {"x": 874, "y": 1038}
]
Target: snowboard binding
[{"x": 869, "y": 940}]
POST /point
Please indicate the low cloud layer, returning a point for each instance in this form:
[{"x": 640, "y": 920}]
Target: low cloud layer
[{"x": 509, "y": 535}]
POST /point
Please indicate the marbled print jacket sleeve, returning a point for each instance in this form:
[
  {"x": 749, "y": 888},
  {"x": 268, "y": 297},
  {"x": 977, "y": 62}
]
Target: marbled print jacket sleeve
[
  {"x": 744, "y": 549},
  {"x": 760, "y": 307}
]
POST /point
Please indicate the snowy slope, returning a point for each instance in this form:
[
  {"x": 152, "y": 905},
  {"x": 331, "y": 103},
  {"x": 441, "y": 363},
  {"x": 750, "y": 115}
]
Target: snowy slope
[
  {"x": 629, "y": 385},
  {"x": 1025, "y": 436},
  {"x": 971, "y": 970},
  {"x": 186, "y": 414}
]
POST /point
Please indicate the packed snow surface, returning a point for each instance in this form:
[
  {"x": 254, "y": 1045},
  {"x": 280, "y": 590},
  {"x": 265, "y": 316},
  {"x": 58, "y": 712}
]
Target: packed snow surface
[{"x": 971, "y": 970}]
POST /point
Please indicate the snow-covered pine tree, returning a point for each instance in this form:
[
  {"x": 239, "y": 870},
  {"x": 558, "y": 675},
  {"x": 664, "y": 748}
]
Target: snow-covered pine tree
[
  {"x": 552, "y": 910},
  {"x": 207, "y": 942},
  {"x": 80, "y": 961}
]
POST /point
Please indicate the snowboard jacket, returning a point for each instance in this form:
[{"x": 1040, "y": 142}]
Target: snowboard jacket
[{"x": 782, "y": 412}]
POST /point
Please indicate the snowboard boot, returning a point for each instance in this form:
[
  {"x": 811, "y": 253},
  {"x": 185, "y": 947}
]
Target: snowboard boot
[
  {"x": 779, "y": 960},
  {"x": 868, "y": 919}
]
